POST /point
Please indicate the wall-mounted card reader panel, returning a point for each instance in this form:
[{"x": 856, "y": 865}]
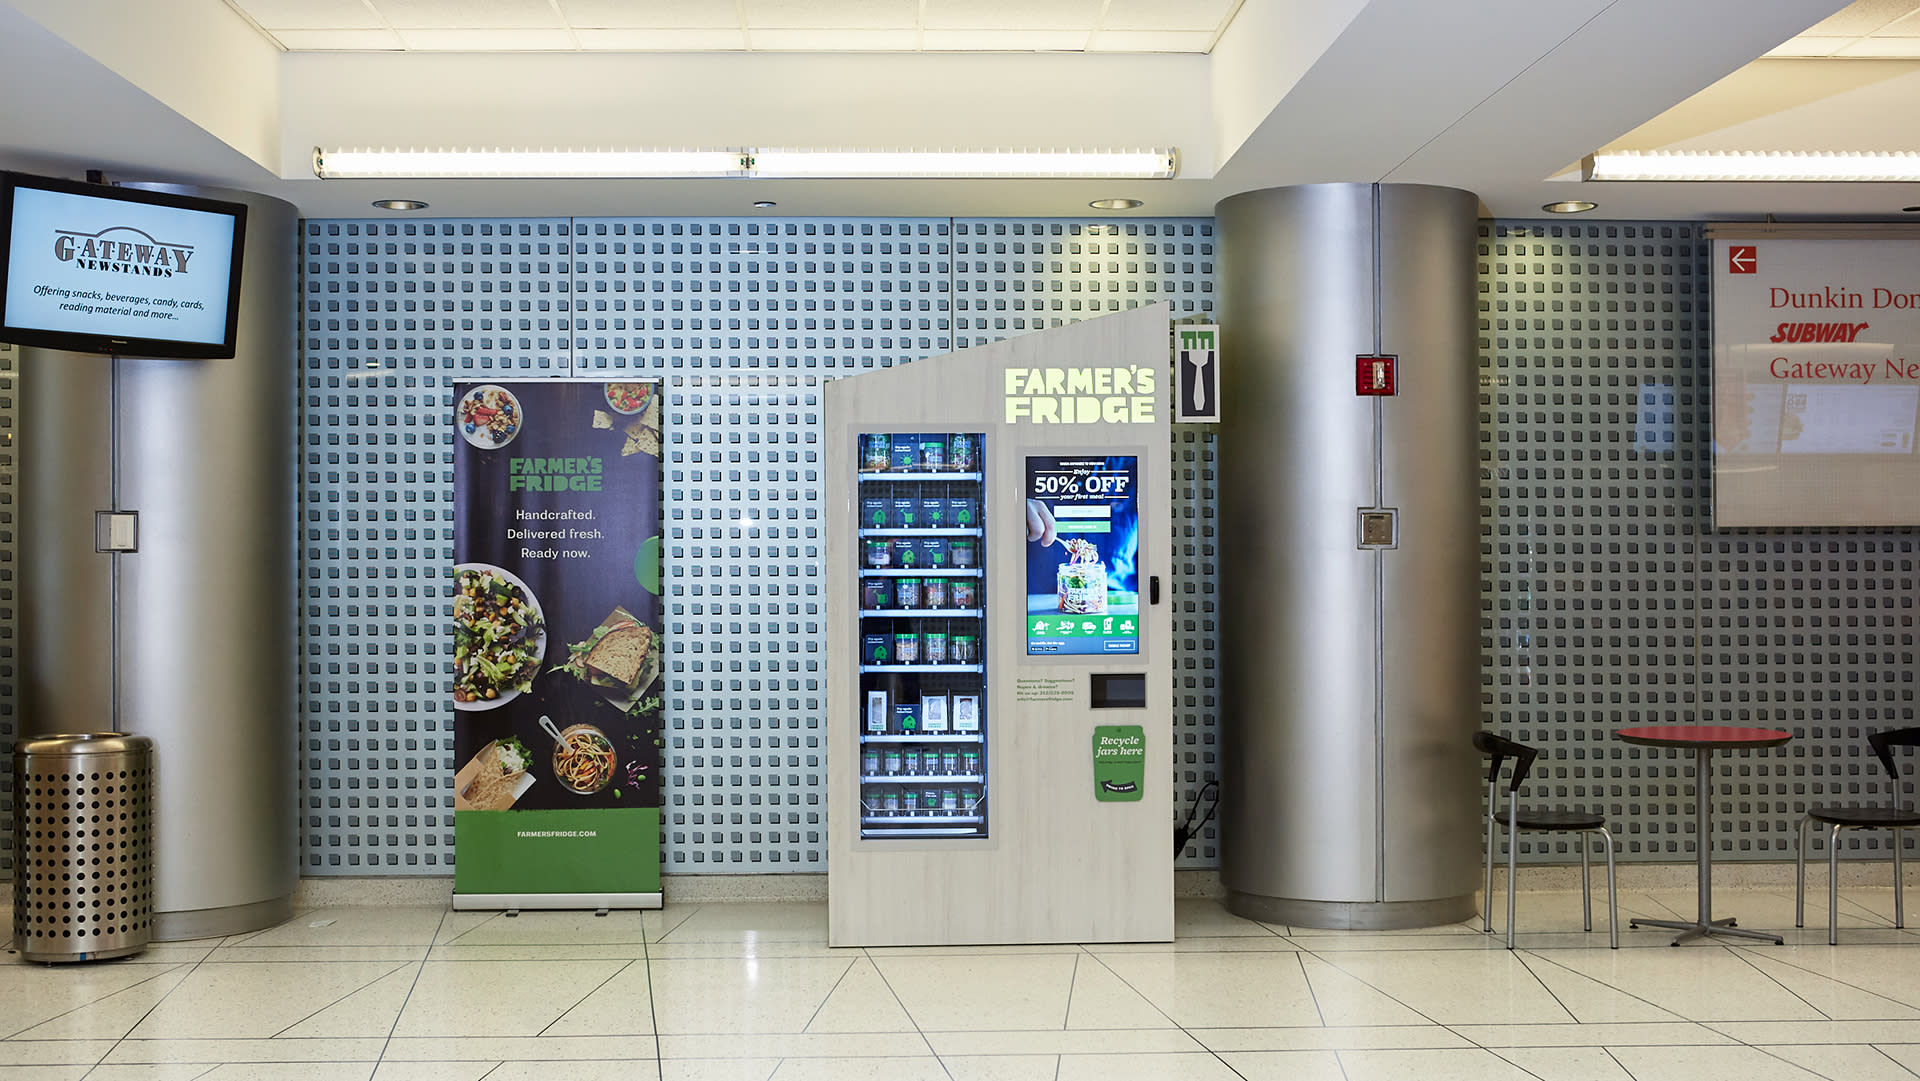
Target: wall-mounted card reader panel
[{"x": 1118, "y": 690}]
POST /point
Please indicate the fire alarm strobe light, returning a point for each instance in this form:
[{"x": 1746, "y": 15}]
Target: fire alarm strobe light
[{"x": 1375, "y": 375}]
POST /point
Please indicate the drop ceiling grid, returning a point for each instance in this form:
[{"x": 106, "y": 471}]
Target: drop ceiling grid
[{"x": 1609, "y": 599}]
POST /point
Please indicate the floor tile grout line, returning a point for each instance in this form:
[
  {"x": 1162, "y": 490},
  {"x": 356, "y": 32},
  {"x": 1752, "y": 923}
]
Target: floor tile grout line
[
  {"x": 1617, "y": 990},
  {"x": 1820, "y": 1073},
  {"x": 308, "y": 1017},
  {"x": 1519, "y": 955},
  {"x": 1174, "y": 1021},
  {"x": 911, "y": 1019},
  {"x": 420, "y": 968},
  {"x": 1883, "y": 1054},
  {"x": 1382, "y": 992},
  {"x": 435, "y": 940},
  {"x": 1510, "y": 1062},
  {"x": 1608, "y": 1051},
  {"x": 626, "y": 963},
  {"x": 122, "y": 1038},
  {"x": 1299, "y": 962},
  {"x": 653, "y": 1013},
  {"x": 1843, "y": 983},
  {"x": 1073, "y": 983},
  {"x": 1151, "y": 1004},
  {"x": 824, "y": 999},
  {"x": 17, "y": 1036},
  {"x": 1770, "y": 978}
]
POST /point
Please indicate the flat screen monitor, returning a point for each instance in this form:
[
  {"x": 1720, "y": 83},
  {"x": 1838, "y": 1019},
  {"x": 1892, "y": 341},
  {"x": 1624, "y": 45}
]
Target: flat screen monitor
[{"x": 122, "y": 271}]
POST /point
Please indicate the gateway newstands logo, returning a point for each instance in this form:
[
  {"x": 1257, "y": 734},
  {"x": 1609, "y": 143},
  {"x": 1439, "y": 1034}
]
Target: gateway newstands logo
[{"x": 121, "y": 249}]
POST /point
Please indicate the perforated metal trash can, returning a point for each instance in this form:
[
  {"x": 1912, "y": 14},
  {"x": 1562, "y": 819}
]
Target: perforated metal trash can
[{"x": 83, "y": 846}]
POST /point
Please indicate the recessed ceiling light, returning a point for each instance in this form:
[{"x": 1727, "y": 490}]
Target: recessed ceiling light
[
  {"x": 1115, "y": 204},
  {"x": 399, "y": 204},
  {"x": 1910, "y": 210},
  {"x": 764, "y": 204},
  {"x": 1569, "y": 206}
]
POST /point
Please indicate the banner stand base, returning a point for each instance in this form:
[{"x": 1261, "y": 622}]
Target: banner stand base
[{"x": 466, "y": 902}]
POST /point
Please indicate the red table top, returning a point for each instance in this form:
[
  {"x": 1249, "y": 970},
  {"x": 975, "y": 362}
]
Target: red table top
[{"x": 1703, "y": 735}]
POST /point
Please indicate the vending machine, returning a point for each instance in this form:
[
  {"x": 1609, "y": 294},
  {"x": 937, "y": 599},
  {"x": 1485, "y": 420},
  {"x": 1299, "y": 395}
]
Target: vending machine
[{"x": 999, "y": 661}]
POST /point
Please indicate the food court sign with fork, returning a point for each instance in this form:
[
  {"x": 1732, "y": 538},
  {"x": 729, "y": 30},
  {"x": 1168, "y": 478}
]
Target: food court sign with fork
[{"x": 1196, "y": 388}]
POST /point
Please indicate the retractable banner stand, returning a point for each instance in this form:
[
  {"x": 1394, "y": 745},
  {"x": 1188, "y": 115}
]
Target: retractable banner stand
[{"x": 557, "y": 645}]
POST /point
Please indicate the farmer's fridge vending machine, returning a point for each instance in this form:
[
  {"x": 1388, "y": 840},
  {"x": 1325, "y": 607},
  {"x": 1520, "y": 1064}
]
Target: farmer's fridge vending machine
[{"x": 999, "y": 678}]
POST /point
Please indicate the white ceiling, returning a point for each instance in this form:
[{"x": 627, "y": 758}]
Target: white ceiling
[
  {"x": 1498, "y": 97},
  {"x": 1128, "y": 26}
]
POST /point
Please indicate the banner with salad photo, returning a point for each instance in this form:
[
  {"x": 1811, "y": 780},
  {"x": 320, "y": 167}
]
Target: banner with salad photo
[{"x": 557, "y": 641}]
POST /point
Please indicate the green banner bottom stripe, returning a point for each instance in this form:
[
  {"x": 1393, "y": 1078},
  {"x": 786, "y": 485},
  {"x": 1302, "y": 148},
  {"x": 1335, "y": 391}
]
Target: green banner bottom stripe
[{"x": 605, "y": 850}]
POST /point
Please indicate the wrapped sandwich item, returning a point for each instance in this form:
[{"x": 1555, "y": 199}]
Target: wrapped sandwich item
[{"x": 491, "y": 780}]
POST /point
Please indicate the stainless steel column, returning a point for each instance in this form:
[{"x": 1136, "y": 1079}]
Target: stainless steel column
[
  {"x": 190, "y": 641},
  {"x": 1351, "y": 676}
]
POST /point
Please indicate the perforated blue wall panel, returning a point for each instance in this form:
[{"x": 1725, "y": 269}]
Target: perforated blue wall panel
[
  {"x": 743, "y": 319},
  {"x": 1609, "y": 598}
]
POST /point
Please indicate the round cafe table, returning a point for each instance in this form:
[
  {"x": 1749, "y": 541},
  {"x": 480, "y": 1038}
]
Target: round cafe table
[{"x": 1703, "y": 740}]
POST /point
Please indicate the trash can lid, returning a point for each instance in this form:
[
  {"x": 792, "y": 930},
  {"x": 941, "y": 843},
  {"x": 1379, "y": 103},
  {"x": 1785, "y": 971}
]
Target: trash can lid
[{"x": 83, "y": 743}]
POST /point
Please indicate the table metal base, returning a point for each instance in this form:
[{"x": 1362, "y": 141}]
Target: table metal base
[{"x": 1697, "y": 929}]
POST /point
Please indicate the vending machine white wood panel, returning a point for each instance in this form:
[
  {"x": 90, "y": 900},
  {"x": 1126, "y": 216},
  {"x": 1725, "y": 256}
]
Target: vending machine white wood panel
[{"x": 999, "y": 665}]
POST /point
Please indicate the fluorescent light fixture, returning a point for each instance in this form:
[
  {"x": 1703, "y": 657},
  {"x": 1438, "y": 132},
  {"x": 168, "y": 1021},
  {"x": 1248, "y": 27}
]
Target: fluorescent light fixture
[
  {"x": 1869, "y": 166},
  {"x": 414, "y": 164},
  {"x": 821, "y": 164},
  {"x": 855, "y": 164},
  {"x": 1569, "y": 206}
]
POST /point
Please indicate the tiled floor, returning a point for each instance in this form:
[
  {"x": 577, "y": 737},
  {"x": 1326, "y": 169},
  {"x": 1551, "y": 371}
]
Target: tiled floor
[{"x": 750, "y": 992}]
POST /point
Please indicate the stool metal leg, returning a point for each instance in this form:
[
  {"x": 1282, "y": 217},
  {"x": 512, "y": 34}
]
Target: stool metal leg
[
  {"x": 1486, "y": 899},
  {"x": 1586, "y": 884},
  {"x": 1613, "y": 900},
  {"x": 1899, "y": 880},
  {"x": 1800, "y": 876},
  {"x": 1833, "y": 886},
  {"x": 1513, "y": 847}
]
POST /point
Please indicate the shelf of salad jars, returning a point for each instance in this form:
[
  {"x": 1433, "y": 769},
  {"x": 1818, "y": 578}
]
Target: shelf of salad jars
[
  {"x": 922, "y": 475},
  {"x": 918, "y": 613},
  {"x": 921, "y": 778},
  {"x": 920, "y": 572},
  {"x": 887, "y": 669},
  {"x": 965, "y": 737},
  {"x": 929, "y": 531}
]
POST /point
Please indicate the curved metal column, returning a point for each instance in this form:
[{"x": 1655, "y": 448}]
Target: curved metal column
[
  {"x": 191, "y": 640},
  {"x": 1351, "y": 676}
]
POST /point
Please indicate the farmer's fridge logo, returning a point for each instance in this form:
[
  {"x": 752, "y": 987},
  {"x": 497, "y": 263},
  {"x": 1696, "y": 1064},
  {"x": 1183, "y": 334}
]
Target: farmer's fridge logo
[{"x": 121, "y": 249}]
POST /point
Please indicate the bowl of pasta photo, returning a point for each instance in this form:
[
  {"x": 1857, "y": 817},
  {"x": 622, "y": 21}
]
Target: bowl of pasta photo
[{"x": 583, "y": 759}]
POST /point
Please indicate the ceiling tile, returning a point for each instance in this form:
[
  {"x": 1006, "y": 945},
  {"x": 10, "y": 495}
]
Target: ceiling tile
[
  {"x": 636, "y": 14},
  {"x": 1903, "y": 28},
  {"x": 1011, "y": 14},
  {"x": 835, "y": 41},
  {"x": 1207, "y": 15},
  {"x": 667, "y": 40},
  {"x": 1861, "y": 17},
  {"x": 310, "y": 14},
  {"x": 468, "y": 14},
  {"x": 836, "y": 14},
  {"x": 526, "y": 40},
  {"x": 1003, "y": 41},
  {"x": 1150, "y": 41},
  {"x": 1882, "y": 48},
  {"x": 339, "y": 41}
]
